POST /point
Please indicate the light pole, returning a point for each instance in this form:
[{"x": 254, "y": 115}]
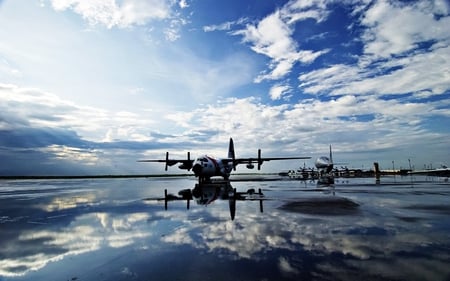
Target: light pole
[{"x": 393, "y": 169}]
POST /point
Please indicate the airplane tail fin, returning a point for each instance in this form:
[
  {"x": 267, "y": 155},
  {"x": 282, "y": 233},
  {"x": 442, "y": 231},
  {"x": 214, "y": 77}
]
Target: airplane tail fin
[
  {"x": 231, "y": 153},
  {"x": 231, "y": 149}
]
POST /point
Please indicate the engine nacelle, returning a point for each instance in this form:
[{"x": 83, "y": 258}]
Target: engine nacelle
[
  {"x": 250, "y": 166},
  {"x": 185, "y": 166}
]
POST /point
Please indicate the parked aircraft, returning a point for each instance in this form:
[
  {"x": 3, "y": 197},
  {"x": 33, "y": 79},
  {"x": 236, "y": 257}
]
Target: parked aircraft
[
  {"x": 324, "y": 163},
  {"x": 205, "y": 167},
  {"x": 444, "y": 171},
  {"x": 325, "y": 172},
  {"x": 325, "y": 167}
]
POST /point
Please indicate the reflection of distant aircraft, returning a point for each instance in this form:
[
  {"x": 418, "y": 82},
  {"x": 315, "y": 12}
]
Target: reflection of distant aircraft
[
  {"x": 207, "y": 193},
  {"x": 444, "y": 171},
  {"x": 205, "y": 167}
]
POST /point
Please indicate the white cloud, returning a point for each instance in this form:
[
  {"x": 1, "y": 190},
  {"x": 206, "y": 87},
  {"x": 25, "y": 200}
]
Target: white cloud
[
  {"x": 306, "y": 126},
  {"x": 394, "y": 59},
  {"x": 279, "y": 91},
  {"x": 224, "y": 26},
  {"x": 327, "y": 79},
  {"x": 218, "y": 27},
  {"x": 383, "y": 69},
  {"x": 183, "y": 4},
  {"x": 27, "y": 107},
  {"x": 272, "y": 37},
  {"x": 395, "y": 28},
  {"x": 427, "y": 71},
  {"x": 286, "y": 267},
  {"x": 125, "y": 14},
  {"x": 298, "y": 10},
  {"x": 88, "y": 157},
  {"x": 357, "y": 123}
]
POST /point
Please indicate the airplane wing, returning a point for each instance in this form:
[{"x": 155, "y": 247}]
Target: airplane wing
[
  {"x": 185, "y": 163},
  {"x": 258, "y": 160}
]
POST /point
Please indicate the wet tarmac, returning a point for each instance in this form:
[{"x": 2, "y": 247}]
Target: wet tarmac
[{"x": 119, "y": 229}]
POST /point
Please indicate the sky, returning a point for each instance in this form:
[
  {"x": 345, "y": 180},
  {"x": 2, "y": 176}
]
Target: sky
[{"x": 89, "y": 87}]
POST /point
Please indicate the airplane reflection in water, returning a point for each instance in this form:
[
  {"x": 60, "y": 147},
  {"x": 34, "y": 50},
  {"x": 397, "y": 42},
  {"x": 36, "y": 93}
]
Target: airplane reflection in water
[{"x": 207, "y": 193}]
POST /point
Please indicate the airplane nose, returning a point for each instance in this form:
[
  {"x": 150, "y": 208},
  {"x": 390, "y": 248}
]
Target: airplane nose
[{"x": 197, "y": 169}]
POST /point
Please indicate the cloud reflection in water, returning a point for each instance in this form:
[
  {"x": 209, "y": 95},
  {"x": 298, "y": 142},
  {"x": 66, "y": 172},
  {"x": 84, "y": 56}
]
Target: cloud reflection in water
[{"x": 107, "y": 230}]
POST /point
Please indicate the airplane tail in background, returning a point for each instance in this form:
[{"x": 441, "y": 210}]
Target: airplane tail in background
[
  {"x": 231, "y": 150},
  {"x": 331, "y": 155}
]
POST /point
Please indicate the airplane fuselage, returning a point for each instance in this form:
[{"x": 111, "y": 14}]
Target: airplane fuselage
[
  {"x": 205, "y": 167},
  {"x": 324, "y": 163}
]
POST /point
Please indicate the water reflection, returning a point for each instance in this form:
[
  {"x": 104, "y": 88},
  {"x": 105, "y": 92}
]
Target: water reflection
[
  {"x": 207, "y": 193},
  {"x": 108, "y": 232}
]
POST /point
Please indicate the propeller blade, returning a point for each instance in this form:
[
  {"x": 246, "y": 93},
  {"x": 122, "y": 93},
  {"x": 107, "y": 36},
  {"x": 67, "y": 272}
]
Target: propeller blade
[
  {"x": 259, "y": 159},
  {"x": 189, "y": 161},
  {"x": 167, "y": 160}
]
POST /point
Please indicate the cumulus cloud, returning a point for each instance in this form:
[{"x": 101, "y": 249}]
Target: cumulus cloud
[
  {"x": 360, "y": 124},
  {"x": 279, "y": 91},
  {"x": 404, "y": 48},
  {"x": 33, "y": 108},
  {"x": 110, "y": 13},
  {"x": 272, "y": 37},
  {"x": 41, "y": 133},
  {"x": 397, "y": 79},
  {"x": 394, "y": 28},
  {"x": 128, "y": 13},
  {"x": 32, "y": 119},
  {"x": 401, "y": 54}
]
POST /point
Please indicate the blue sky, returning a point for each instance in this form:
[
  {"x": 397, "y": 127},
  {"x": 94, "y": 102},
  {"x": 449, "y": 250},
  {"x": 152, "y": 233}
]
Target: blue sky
[{"x": 92, "y": 86}]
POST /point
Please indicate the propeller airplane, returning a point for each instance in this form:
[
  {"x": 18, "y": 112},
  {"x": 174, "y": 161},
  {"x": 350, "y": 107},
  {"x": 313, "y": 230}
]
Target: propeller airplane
[{"x": 205, "y": 167}]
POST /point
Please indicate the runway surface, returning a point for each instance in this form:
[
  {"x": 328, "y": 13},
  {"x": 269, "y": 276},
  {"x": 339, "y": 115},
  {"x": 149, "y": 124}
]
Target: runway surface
[{"x": 117, "y": 229}]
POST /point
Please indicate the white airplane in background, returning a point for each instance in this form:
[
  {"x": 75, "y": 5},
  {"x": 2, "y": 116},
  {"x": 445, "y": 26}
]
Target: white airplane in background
[
  {"x": 325, "y": 164},
  {"x": 325, "y": 167},
  {"x": 205, "y": 167}
]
